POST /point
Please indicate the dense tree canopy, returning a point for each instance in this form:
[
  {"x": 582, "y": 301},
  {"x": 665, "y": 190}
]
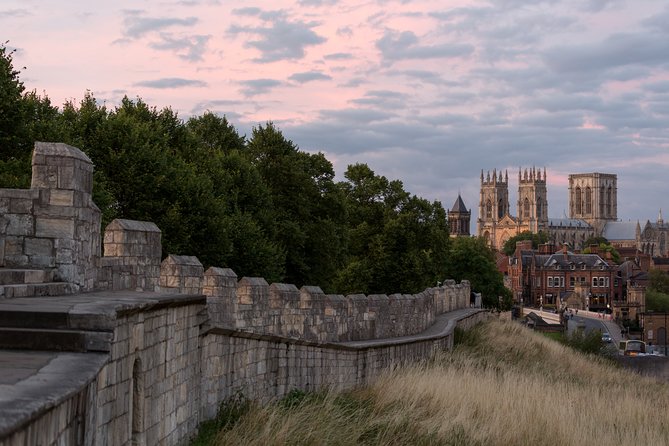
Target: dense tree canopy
[
  {"x": 537, "y": 239},
  {"x": 258, "y": 205},
  {"x": 473, "y": 260}
]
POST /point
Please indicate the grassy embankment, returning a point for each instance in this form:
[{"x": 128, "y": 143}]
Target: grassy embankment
[{"x": 502, "y": 385}]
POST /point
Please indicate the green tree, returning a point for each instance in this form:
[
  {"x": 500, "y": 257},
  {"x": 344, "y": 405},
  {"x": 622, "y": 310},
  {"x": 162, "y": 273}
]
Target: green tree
[
  {"x": 537, "y": 239},
  {"x": 657, "y": 294},
  {"x": 397, "y": 242},
  {"x": 471, "y": 259},
  {"x": 308, "y": 215},
  {"x": 605, "y": 248}
]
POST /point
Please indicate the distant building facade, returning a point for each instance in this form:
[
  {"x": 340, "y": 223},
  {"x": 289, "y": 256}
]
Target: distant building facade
[
  {"x": 593, "y": 212},
  {"x": 561, "y": 278},
  {"x": 459, "y": 218}
]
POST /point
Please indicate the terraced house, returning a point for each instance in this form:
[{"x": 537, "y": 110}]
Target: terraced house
[{"x": 551, "y": 278}]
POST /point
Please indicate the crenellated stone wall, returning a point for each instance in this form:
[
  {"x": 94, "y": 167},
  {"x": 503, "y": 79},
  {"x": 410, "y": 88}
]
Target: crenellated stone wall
[
  {"x": 185, "y": 339},
  {"x": 54, "y": 225}
]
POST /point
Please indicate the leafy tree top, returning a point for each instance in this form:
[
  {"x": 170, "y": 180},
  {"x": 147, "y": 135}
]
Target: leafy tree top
[{"x": 537, "y": 239}]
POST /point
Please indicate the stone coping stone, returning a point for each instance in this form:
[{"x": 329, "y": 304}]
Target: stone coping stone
[
  {"x": 31, "y": 383},
  {"x": 87, "y": 311},
  {"x": 444, "y": 326}
]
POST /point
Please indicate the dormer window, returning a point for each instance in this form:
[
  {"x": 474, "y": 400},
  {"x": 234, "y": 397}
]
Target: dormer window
[
  {"x": 583, "y": 266},
  {"x": 572, "y": 266},
  {"x": 557, "y": 266}
]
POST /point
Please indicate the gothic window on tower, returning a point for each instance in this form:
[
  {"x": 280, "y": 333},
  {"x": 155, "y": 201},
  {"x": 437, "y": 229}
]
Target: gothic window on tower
[
  {"x": 526, "y": 208},
  {"x": 588, "y": 200},
  {"x": 609, "y": 210},
  {"x": 601, "y": 200},
  {"x": 488, "y": 210},
  {"x": 500, "y": 208},
  {"x": 577, "y": 201},
  {"x": 538, "y": 207}
]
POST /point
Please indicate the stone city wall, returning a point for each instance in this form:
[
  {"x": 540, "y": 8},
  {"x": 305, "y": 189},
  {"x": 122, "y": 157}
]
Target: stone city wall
[
  {"x": 54, "y": 225},
  {"x": 171, "y": 364}
]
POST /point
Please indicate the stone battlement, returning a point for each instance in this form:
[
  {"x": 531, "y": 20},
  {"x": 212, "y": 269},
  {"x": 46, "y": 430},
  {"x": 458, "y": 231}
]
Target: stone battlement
[{"x": 163, "y": 340}]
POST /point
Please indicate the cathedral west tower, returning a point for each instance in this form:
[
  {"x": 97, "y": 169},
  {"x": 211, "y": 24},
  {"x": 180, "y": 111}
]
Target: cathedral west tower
[
  {"x": 493, "y": 204},
  {"x": 532, "y": 200}
]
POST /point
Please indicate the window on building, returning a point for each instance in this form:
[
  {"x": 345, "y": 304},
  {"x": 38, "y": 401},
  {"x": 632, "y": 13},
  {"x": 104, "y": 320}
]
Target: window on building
[
  {"x": 578, "y": 201},
  {"x": 615, "y": 282},
  {"x": 583, "y": 280},
  {"x": 606, "y": 282},
  {"x": 609, "y": 202},
  {"x": 572, "y": 281},
  {"x": 594, "y": 282},
  {"x": 601, "y": 282},
  {"x": 526, "y": 208},
  {"x": 501, "y": 210},
  {"x": 539, "y": 208},
  {"x": 488, "y": 209},
  {"x": 588, "y": 200},
  {"x": 562, "y": 282}
]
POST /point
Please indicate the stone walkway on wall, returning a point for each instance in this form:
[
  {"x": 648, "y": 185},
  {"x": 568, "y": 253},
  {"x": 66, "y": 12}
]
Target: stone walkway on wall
[{"x": 34, "y": 379}]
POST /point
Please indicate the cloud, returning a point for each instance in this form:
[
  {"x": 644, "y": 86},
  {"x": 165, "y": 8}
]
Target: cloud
[
  {"x": 383, "y": 99},
  {"x": 429, "y": 77},
  {"x": 309, "y": 76},
  {"x": 658, "y": 22},
  {"x": 316, "y": 3},
  {"x": 171, "y": 82},
  {"x": 405, "y": 45},
  {"x": 14, "y": 13},
  {"x": 190, "y": 48},
  {"x": 615, "y": 51},
  {"x": 254, "y": 87},
  {"x": 281, "y": 39},
  {"x": 135, "y": 25},
  {"x": 345, "y": 31},
  {"x": 338, "y": 56}
]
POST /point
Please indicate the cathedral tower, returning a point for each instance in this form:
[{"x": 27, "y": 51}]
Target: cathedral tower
[
  {"x": 493, "y": 204},
  {"x": 532, "y": 200},
  {"x": 593, "y": 197},
  {"x": 459, "y": 219}
]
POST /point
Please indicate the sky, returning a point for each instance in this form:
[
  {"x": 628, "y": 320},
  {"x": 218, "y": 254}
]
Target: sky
[{"x": 426, "y": 92}]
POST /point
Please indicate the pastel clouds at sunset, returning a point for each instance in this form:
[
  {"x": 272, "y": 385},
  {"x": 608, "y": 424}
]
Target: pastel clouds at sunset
[{"x": 428, "y": 92}]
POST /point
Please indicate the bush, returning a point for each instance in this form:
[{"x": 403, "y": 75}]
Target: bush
[{"x": 585, "y": 342}]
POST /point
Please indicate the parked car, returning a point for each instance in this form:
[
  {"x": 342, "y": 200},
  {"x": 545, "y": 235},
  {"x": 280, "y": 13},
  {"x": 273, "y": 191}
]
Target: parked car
[{"x": 606, "y": 337}]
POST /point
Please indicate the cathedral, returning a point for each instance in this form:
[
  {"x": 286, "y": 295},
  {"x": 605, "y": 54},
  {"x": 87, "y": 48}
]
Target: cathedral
[{"x": 593, "y": 212}]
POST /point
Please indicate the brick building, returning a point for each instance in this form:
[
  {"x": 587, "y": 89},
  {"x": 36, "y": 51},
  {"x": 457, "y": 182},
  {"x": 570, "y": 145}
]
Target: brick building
[{"x": 548, "y": 278}]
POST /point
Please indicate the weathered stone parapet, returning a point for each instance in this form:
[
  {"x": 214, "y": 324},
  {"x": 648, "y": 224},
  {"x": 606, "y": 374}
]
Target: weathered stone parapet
[
  {"x": 181, "y": 274},
  {"x": 132, "y": 251},
  {"x": 286, "y": 318},
  {"x": 220, "y": 287},
  {"x": 253, "y": 303},
  {"x": 54, "y": 225}
]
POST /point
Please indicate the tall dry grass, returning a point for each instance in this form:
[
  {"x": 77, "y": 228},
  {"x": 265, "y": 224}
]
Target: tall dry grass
[{"x": 504, "y": 385}]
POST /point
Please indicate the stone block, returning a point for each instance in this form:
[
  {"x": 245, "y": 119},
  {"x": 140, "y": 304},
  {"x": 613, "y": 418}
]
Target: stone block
[
  {"x": 38, "y": 247},
  {"x": 19, "y": 224},
  {"x": 53, "y": 227},
  {"x": 61, "y": 197}
]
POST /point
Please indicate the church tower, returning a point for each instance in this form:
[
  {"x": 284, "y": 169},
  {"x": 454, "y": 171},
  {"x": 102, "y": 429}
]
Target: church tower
[
  {"x": 459, "y": 219},
  {"x": 532, "y": 200},
  {"x": 493, "y": 204},
  {"x": 593, "y": 197}
]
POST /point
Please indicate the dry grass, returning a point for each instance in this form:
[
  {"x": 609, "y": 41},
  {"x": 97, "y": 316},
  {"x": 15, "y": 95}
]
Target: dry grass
[{"x": 504, "y": 385}]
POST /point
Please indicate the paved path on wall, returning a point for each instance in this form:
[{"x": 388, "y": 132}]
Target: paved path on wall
[
  {"x": 443, "y": 325},
  {"x": 33, "y": 381}
]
